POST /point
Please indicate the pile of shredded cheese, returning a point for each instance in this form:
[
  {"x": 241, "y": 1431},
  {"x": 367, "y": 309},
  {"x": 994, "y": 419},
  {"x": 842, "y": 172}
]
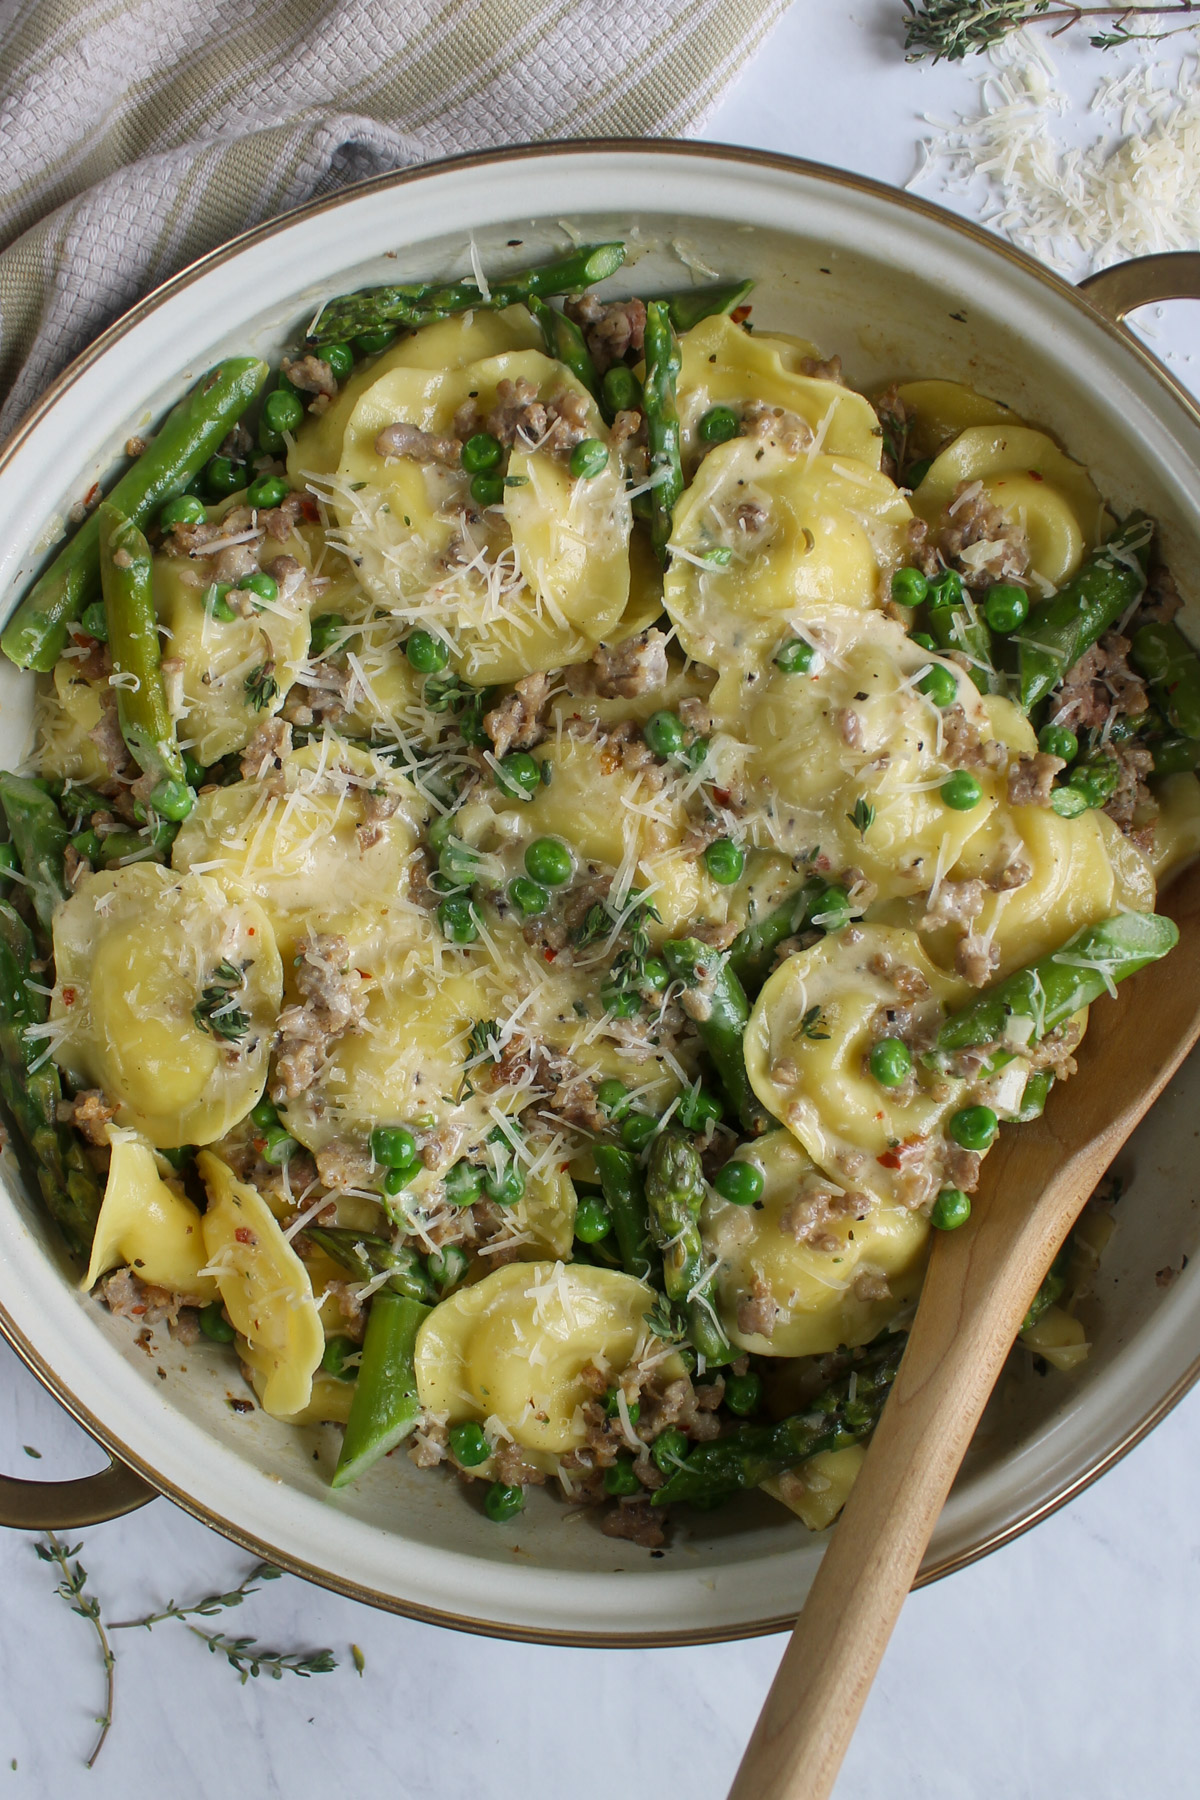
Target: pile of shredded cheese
[{"x": 1132, "y": 190}]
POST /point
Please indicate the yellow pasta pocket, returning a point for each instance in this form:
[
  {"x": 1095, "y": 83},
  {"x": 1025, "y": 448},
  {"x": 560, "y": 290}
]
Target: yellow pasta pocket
[
  {"x": 513, "y": 1348},
  {"x": 166, "y": 998},
  {"x": 264, "y": 1287},
  {"x": 816, "y": 1264},
  {"x": 149, "y": 1226}
]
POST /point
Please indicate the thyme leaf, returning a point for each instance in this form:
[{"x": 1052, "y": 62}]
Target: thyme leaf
[
  {"x": 863, "y": 816},
  {"x": 810, "y": 1023},
  {"x": 261, "y": 686},
  {"x": 244, "y": 1655}
]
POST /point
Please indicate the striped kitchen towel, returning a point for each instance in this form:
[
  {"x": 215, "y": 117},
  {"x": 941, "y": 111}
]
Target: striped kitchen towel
[{"x": 137, "y": 134}]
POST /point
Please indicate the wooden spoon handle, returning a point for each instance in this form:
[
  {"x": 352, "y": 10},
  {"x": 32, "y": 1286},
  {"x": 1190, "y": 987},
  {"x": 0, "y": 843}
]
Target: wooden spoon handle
[{"x": 962, "y": 1333}]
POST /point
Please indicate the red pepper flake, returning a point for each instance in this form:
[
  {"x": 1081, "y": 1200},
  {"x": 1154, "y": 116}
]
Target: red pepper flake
[
  {"x": 249, "y": 931},
  {"x": 889, "y": 1160},
  {"x": 549, "y": 955},
  {"x": 1034, "y": 476},
  {"x": 722, "y": 796},
  {"x": 92, "y": 495},
  {"x": 69, "y": 996},
  {"x": 244, "y": 1235},
  {"x": 740, "y": 314}
]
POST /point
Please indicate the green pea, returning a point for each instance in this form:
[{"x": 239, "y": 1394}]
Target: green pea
[
  {"x": 487, "y": 490},
  {"x": 669, "y": 1450},
  {"x": 655, "y": 974},
  {"x": 951, "y": 1209},
  {"x": 272, "y": 442},
  {"x": 973, "y": 1127},
  {"x": 725, "y": 861},
  {"x": 503, "y": 1502},
  {"x": 740, "y": 1182},
  {"x": 719, "y": 424},
  {"x": 394, "y": 1146},
  {"x": 743, "y": 1394},
  {"x": 1058, "y": 740},
  {"x": 84, "y": 843},
  {"x": 215, "y": 1325},
  {"x": 458, "y": 864},
  {"x": 266, "y": 492},
  {"x": 961, "y": 791},
  {"x": 621, "y": 389},
  {"x": 891, "y": 1062},
  {"x": 370, "y": 343},
  {"x": 447, "y": 1266},
  {"x": 693, "y": 754},
  {"x": 620, "y": 1478},
  {"x": 280, "y": 1145},
  {"x": 457, "y": 919},
  {"x": 637, "y": 1130},
  {"x": 481, "y": 453},
  {"x": 941, "y": 685},
  {"x": 909, "y": 587},
  {"x": 528, "y": 896},
  {"x": 219, "y": 606},
  {"x": 335, "y": 1355},
  {"x": 185, "y": 509},
  {"x": 340, "y": 358},
  {"x": 832, "y": 910},
  {"x": 264, "y": 1115},
  {"x": 593, "y": 1220},
  {"x": 1006, "y": 607},
  {"x": 172, "y": 800},
  {"x": 468, "y": 1444},
  {"x": 221, "y": 476},
  {"x": 195, "y": 771},
  {"x": 916, "y": 472},
  {"x": 548, "y": 861},
  {"x": 613, "y": 1096},
  {"x": 1069, "y": 802},
  {"x": 426, "y": 653},
  {"x": 945, "y": 589},
  {"x": 664, "y": 733},
  {"x": 283, "y": 411},
  {"x": 612, "y": 1406},
  {"x": 697, "y": 1107},
  {"x": 589, "y": 459},
  {"x": 796, "y": 657},
  {"x": 396, "y": 1180},
  {"x": 622, "y": 1003},
  {"x": 464, "y": 1183},
  {"x": 94, "y": 620},
  {"x": 258, "y": 582},
  {"x": 323, "y": 632},
  {"x": 179, "y": 1156},
  {"x": 923, "y": 638},
  {"x": 507, "y": 1187},
  {"x": 518, "y": 775}
]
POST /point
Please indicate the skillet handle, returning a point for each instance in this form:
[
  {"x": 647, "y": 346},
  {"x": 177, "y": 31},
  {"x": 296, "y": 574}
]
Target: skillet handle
[
  {"x": 1142, "y": 281},
  {"x": 64, "y": 1505}
]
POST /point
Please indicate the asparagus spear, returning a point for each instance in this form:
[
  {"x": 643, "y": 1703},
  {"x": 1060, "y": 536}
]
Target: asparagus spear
[
  {"x": 753, "y": 950},
  {"x": 416, "y": 303},
  {"x": 186, "y": 439},
  {"x": 621, "y": 1182},
  {"x": 1048, "y": 991},
  {"x": 565, "y": 341},
  {"x": 721, "y": 1012},
  {"x": 692, "y": 305},
  {"x": 145, "y": 717},
  {"x": 674, "y": 1195},
  {"x": 368, "y": 1253},
  {"x": 752, "y": 1453},
  {"x": 1059, "y": 631},
  {"x": 40, "y": 840},
  {"x": 65, "y": 1177},
  {"x": 385, "y": 1407},
  {"x": 662, "y": 421},
  {"x": 1163, "y": 655},
  {"x": 1053, "y": 1284}
]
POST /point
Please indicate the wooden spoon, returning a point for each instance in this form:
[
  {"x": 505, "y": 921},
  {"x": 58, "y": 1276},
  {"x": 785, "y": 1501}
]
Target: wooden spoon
[{"x": 981, "y": 1280}]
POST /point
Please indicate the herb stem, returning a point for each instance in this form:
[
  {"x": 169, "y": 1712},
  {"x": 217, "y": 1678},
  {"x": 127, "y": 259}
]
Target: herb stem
[
  {"x": 211, "y": 1603},
  {"x": 71, "y": 1587}
]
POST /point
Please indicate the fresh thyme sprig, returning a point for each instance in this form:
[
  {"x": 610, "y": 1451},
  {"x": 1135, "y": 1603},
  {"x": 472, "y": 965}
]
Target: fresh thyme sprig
[
  {"x": 211, "y": 1603},
  {"x": 863, "y": 816},
  {"x": 72, "y": 1588},
  {"x": 949, "y": 30},
  {"x": 216, "y": 1011},
  {"x": 261, "y": 686},
  {"x": 244, "y": 1655}
]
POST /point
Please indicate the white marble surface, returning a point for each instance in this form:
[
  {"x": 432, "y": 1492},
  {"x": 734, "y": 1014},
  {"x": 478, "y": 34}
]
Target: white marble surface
[{"x": 1068, "y": 1663}]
